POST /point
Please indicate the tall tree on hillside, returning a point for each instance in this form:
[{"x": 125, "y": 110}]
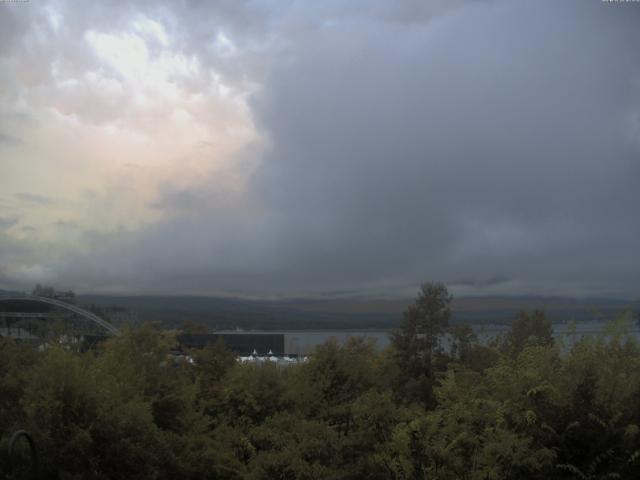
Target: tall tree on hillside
[
  {"x": 417, "y": 339},
  {"x": 43, "y": 291},
  {"x": 530, "y": 328}
]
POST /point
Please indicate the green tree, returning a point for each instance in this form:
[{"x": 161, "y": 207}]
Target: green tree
[
  {"x": 336, "y": 375},
  {"x": 292, "y": 447},
  {"x": 211, "y": 364},
  {"x": 530, "y": 328},
  {"x": 84, "y": 424},
  {"x": 43, "y": 291},
  {"x": 16, "y": 362},
  {"x": 251, "y": 394},
  {"x": 417, "y": 341},
  {"x": 189, "y": 326},
  {"x": 463, "y": 340}
]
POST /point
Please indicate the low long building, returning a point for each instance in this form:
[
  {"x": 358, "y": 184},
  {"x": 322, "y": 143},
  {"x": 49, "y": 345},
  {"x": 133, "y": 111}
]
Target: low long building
[{"x": 240, "y": 343}]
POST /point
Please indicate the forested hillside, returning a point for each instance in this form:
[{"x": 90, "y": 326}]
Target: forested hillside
[
  {"x": 344, "y": 313},
  {"x": 522, "y": 407}
]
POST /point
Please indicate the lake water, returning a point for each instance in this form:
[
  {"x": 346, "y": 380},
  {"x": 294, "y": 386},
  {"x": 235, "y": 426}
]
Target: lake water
[{"x": 303, "y": 342}]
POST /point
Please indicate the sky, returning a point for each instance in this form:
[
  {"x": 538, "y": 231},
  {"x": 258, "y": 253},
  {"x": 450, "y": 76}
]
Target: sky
[{"x": 274, "y": 148}]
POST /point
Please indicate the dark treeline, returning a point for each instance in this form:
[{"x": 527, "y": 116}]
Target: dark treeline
[{"x": 522, "y": 407}]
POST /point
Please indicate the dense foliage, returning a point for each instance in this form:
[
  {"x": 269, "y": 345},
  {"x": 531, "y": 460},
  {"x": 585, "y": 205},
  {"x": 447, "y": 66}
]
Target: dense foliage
[{"x": 525, "y": 406}]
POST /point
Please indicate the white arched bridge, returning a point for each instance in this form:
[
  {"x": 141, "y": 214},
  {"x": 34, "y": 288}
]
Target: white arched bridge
[{"x": 64, "y": 305}]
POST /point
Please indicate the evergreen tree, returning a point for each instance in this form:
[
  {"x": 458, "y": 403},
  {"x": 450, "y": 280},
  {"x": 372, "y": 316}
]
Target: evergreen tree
[
  {"x": 530, "y": 328},
  {"x": 417, "y": 340}
]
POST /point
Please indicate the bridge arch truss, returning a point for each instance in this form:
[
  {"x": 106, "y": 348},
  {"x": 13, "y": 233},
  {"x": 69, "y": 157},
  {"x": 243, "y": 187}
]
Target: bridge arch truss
[{"x": 66, "y": 306}]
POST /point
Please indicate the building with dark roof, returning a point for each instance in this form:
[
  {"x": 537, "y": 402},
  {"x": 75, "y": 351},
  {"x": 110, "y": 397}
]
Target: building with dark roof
[{"x": 240, "y": 343}]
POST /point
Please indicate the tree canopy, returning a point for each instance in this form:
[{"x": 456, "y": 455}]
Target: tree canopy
[{"x": 524, "y": 407}]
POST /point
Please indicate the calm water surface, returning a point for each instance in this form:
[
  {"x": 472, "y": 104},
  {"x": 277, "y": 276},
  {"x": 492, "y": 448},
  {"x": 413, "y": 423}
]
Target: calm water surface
[{"x": 304, "y": 341}]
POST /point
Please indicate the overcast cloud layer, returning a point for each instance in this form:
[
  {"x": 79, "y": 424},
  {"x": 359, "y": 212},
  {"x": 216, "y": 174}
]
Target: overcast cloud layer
[{"x": 292, "y": 148}]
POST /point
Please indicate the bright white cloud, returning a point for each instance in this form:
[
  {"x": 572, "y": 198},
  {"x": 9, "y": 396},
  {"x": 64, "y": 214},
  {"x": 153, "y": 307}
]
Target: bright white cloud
[{"x": 113, "y": 127}]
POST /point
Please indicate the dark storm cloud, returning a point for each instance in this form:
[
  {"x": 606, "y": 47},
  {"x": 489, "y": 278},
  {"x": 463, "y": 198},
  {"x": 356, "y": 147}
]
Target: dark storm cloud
[
  {"x": 495, "y": 142},
  {"x": 492, "y": 141}
]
